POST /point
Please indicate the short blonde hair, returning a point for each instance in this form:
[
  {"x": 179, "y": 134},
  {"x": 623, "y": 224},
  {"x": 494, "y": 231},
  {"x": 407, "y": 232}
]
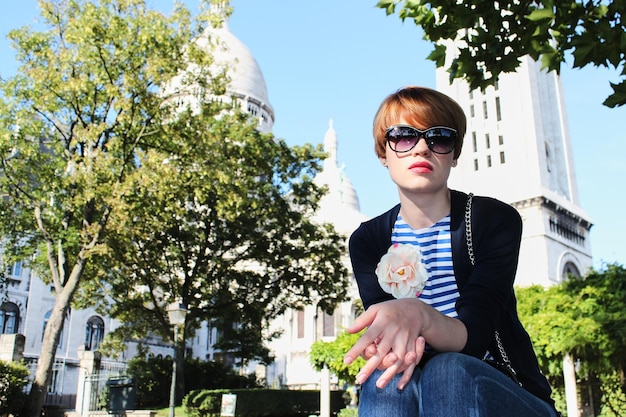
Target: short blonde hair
[{"x": 422, "y": 108}]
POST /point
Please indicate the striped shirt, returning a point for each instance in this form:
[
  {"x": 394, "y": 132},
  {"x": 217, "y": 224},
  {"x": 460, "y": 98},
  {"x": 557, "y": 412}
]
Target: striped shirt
[{"x": 435, "y": 247}]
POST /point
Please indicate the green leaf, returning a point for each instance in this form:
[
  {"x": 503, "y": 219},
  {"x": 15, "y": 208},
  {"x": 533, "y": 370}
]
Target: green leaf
[
  {"x": 618, "y": 97},
  {"x": 438, "y": 55},
  {"x": 540, "y": 14}
]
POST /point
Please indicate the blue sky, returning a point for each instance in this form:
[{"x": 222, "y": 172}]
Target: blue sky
[{"x": 337, "y": 59}]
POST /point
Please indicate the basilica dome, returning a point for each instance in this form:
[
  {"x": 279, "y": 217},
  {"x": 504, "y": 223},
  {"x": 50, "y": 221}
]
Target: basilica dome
[{"x": 247, "y": 83}]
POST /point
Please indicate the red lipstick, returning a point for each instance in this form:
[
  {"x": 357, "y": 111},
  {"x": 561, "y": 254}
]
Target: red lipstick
[{"x": 422, "y": 166}]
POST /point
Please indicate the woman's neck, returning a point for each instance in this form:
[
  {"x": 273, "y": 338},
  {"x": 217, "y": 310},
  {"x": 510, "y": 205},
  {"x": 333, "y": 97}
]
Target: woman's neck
[{"x": 421, "y": 210}]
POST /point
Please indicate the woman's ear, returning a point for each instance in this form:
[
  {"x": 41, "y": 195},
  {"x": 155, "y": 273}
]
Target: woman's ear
[
  {"x": 383, "y": 161},
  {"x": 454, "y": 162}
]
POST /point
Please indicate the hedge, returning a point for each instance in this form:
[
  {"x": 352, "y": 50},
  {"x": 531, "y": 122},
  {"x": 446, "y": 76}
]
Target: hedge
[{"x": 261, "y": 402}]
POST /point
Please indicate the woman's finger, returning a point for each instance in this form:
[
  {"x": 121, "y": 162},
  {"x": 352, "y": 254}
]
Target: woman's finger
[
  {"x": 406, "y": 376},
  {"x": 369, "y": 367},
  {"x": 415, "y": 356},
  {"x": 389, "y": 373},
  {"x": 369, "y": 351},
  {"x": 388, "y": 360}
]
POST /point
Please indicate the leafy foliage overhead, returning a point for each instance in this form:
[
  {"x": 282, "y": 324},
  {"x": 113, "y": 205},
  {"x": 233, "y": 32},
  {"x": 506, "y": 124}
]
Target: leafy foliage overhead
[{"x": 492, "y": 36}]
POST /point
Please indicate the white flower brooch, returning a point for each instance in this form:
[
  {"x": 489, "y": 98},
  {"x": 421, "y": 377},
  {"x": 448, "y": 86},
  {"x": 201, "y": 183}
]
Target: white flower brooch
[{"x": 401, "y": 272}]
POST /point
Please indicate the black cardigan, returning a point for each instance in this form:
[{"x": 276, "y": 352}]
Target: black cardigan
[{"x": 486, "y": 297}]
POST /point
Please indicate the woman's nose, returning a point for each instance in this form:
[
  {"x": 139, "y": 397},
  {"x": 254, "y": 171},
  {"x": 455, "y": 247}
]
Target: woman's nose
[{"x": 420, "y": 147}]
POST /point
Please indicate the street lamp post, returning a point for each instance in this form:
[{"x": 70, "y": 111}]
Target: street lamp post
[{"x": 176, "y": 313}]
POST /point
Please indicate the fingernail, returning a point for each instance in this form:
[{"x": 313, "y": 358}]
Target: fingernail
[
  {"x": 347, "y": 360},
  {"x": 401, "y": 386},
  {"x": 360, "y": 378},
  {"x": 381, "y": 383}
]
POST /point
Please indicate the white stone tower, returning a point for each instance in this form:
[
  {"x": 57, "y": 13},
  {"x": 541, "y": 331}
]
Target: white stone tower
[{"x": 517, "y": 149}]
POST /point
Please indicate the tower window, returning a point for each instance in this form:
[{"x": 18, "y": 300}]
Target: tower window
[
  {"x": 475, "y": 164},
  {"x": 500, "y": 140},
  {"x": 488, "y": 160},
  {"x": 486, "y": 114},
  {"x": 548, "y": 157},
  {"x": 487, "y": 141},
  {"x": 474, "y": 142},
  {"x": 498, "y": 111},
  {"x": 472, "y": 113},
  {"x": 502, "y": 160}
]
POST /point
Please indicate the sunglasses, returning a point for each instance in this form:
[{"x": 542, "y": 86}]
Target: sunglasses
[{"x": 403, "y": 138}]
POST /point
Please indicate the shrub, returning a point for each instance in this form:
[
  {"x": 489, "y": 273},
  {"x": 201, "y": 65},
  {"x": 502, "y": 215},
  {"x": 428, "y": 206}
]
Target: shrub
[
  {"x": 348, "y": 412},
  {"x": 13, "y": 379},
  {"x": 153, "y": 378}
]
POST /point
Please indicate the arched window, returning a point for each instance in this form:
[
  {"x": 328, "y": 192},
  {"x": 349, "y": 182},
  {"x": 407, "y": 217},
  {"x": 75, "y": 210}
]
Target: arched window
[
  {"x": 570, "y": 269},
  {"x": 9, "y": 318},
  {"x": 94, "y": 333},
  {"x": 46, "y": 318}
]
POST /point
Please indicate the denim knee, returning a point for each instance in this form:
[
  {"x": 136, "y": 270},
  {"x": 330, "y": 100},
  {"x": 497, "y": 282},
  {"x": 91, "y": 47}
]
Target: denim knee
[{"x": 389, "y": 401}]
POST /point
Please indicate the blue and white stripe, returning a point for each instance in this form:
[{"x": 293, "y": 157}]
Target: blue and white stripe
[{"x": 434, "y": 243}]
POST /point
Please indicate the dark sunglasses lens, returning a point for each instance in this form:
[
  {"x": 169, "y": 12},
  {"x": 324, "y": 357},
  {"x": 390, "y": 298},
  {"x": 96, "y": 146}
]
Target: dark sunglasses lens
[
  {"x": 440, "y": 139},
  {"x": 402, "y": 138}
]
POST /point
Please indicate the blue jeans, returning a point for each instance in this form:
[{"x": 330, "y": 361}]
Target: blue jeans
[{"x": 451, "y": 385}]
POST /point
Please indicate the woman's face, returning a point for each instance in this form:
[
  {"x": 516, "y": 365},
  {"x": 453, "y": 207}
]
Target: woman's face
[{"x": 419, "y": 170}]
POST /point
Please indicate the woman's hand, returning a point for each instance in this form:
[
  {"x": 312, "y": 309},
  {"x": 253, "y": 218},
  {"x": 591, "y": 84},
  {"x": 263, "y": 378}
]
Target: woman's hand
[
  {"x": 396, "y": 335},
  {"x": 392, "y": 340}
]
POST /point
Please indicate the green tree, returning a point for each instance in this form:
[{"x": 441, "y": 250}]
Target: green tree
[
  {"x": 223, "y": 225},
  {"x": 583, "y": 317},
  {"x": 98, "y": 159},
  {"x": 601, "y": 295},
  {"x": 331, "y": 354},
  {"x": 493, "y": 36},
  {"x": 87, "y": 102},
  {"x": 83, "y": 103}
]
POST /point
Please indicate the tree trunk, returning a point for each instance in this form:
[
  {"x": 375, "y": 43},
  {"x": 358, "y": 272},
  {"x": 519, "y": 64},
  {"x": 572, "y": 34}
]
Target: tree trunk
[
  {"x": 569, "y": 378},
  {"x": 50, "y": 342}
]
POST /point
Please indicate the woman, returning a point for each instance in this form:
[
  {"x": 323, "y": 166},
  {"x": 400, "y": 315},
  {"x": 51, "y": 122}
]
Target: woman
[{"x": 426, "y": 347}]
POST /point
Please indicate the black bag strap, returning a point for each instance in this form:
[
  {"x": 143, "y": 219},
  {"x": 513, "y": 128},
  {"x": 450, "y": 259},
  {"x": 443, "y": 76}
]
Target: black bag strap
[{"x": 470, "y": 250}]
